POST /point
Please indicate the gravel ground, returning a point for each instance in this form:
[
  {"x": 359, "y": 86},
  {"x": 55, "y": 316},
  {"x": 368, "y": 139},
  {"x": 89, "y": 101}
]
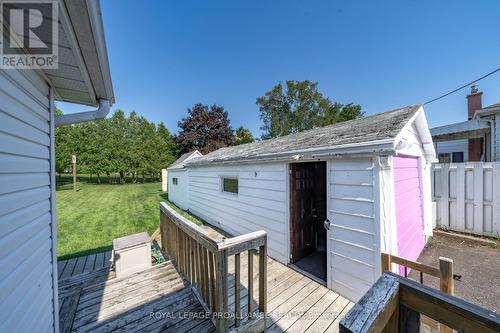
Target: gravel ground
[{"x": 477, "y": 263}]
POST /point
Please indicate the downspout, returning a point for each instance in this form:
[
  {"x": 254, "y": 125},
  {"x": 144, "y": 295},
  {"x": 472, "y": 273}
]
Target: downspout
[
  {"x": 80, "y": 117},
  {"x": 492, "y": 139}
]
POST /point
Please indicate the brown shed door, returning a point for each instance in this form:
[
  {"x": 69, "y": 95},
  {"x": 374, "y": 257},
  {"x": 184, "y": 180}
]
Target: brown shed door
[{"x": 307, "y": 207}]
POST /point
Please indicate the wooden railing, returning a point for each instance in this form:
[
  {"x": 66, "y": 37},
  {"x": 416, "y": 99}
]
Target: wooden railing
[
  {"x": 203, "y": 260},
  {"x": 395, "y": 304},
  {"x": 444, "y": 274}
]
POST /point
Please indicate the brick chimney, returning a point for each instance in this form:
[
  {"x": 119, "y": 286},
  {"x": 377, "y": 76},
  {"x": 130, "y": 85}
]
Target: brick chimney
[{"x": 474, "y": 103}]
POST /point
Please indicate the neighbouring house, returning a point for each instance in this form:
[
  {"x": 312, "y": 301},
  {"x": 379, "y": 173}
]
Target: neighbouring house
[
  {"x": 177, "y": 179},
  {"x": 474, "y": 140},
  {"x": 28, "y": 244},
  {"x": 330, "y": 199}
]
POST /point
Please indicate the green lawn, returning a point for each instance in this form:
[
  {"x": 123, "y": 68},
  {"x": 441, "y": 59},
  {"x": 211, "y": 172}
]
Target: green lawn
[{"x": 89, "y": 220}]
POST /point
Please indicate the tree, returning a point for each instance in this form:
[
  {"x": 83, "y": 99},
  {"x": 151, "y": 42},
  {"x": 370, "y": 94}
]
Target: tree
[
  {"x": 166, "y": 147},
  {"x": 205, "y": 129},
  {"x": 129, "y": 146},
  {"x": 64, "y": 145},
  {"x": 242, "y": 135},
  {"x": 300, "y": 107}
]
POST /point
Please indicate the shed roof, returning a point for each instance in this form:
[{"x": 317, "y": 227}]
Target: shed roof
[
  {"x": 378, "y": 129},
  {"x": 181, "y": 161}
]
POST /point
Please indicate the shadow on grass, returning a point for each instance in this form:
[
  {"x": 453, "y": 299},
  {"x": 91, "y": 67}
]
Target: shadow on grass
[{"x": 85, "y": 252}]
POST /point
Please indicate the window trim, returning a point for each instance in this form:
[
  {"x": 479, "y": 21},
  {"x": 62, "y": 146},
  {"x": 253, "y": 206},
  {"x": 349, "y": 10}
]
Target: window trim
[{"x": 222, "y": 185}]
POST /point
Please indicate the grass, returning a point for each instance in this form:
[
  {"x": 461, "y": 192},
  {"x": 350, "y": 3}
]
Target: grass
[{"x": 88, "y": 220}]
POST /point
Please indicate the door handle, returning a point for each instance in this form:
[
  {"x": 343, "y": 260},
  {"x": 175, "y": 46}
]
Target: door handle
[{"x": 327, "y": 224}]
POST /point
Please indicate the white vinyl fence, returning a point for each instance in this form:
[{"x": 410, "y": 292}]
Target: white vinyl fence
[{"x": 467, "y": 197}]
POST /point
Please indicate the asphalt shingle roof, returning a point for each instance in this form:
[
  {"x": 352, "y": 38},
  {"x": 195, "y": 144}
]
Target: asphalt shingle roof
[{"x": 386, "y": 125}]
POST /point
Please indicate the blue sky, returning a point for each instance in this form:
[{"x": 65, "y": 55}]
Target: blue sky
[{"x": 167, "y": 55}]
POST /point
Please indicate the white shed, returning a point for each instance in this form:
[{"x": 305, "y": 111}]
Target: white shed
[
  {"x": 28, "y": 246},
  {"x": 177, "y": 179},
  {"x": 330, "y": 199}
]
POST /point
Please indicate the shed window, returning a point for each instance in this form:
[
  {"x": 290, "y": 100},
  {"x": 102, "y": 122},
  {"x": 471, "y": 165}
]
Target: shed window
[
  {"x": 230, "y": 185},
  {"x": 174, "y": 181}
]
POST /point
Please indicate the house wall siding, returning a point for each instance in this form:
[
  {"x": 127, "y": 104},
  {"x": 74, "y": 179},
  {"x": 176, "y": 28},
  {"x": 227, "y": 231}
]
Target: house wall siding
[
  {"x": 453, "y": 146},
  {"x": 259, "y": 205},
  {"x": 178, "y": 193},
  {"x": 353, "y": 237},
  {"x": 26, "y": 247},
  {"x": 497, "y": 138}
]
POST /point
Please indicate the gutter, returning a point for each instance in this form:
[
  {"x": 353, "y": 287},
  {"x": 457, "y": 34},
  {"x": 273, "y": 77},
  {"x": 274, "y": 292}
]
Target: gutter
[{"x": 74, "y": 118}]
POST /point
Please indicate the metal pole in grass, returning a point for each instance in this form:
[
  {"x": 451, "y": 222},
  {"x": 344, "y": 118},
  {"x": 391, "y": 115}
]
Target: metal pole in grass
[{"x": 73, "y": 160}]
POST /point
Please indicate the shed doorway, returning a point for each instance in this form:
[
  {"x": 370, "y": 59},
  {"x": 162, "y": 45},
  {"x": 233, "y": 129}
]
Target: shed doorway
[{"x": 307, "y": 215}]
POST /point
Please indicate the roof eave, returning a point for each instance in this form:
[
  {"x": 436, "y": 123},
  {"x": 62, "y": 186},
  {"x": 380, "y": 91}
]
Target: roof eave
[
  {"x": 383, "y": 147},
  {"x": 420, "y": 121},
  {"x": 88, "y": 16},
  {"x": 95, "y": 15}
]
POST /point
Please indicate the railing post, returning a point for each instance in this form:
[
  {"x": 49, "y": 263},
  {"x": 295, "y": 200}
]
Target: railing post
[
  {"x": 221, "y": 323},
  {"x": 237, "y": 305},
  {"x": 250, "y": 283},
  {"x": 446, "y": 284},
  {"x": 211, "y": 271},
  {"x": 386, "y": 262},
  {"x": 409, "y": 320},
  {"x": 263, "y": 278}
]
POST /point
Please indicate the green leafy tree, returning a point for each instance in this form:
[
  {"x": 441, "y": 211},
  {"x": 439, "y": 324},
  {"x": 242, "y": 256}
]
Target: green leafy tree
[
  {"x": 130, "y": 146},
  {"x": 64, "y": 146},
  {"x": 167, "y": 150},
  {"x": 300, "y": 107},
  {"x": 242, "y": 135}
]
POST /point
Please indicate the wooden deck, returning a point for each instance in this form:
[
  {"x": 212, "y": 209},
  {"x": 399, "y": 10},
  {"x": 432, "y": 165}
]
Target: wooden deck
[
  {"x": 93, "y": 300},
  {"x": 85, "y": 264}
]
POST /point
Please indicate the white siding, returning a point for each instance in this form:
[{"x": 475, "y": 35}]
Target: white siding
[
  {"x": 497, "y": 138},
  {"x": 353, "y": 237},
  {"x": 178, "y": 193},
  {"x": 26, "y": 253},
  {"x": 259, "y": 205}
]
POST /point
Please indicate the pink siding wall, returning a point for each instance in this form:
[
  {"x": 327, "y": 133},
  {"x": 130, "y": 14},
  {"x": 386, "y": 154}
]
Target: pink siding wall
[{"x": 409, "y": 212}]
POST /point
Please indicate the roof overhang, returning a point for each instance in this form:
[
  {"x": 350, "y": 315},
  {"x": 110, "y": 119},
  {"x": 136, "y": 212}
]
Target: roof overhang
[
  {"x": 466, "y": 129},
  {"x": 181, "y": 165},
  {"x": 491, "y": 110},
  {"x": 82, "y": 28},
  {"x": 419, "y": 120},
  {"x": 82, "y": 74}
]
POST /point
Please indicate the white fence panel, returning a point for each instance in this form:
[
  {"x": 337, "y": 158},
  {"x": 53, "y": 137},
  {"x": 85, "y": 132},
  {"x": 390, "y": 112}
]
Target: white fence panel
[{"x": 467, "y": 197}]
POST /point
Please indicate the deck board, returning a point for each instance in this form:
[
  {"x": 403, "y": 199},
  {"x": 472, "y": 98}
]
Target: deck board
[
  {"x": 99, "y": 261},
  {"x": 91, "y": 299},
  {"x": 89, "y": 264},
  {"x": 79, "y": 266}
]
